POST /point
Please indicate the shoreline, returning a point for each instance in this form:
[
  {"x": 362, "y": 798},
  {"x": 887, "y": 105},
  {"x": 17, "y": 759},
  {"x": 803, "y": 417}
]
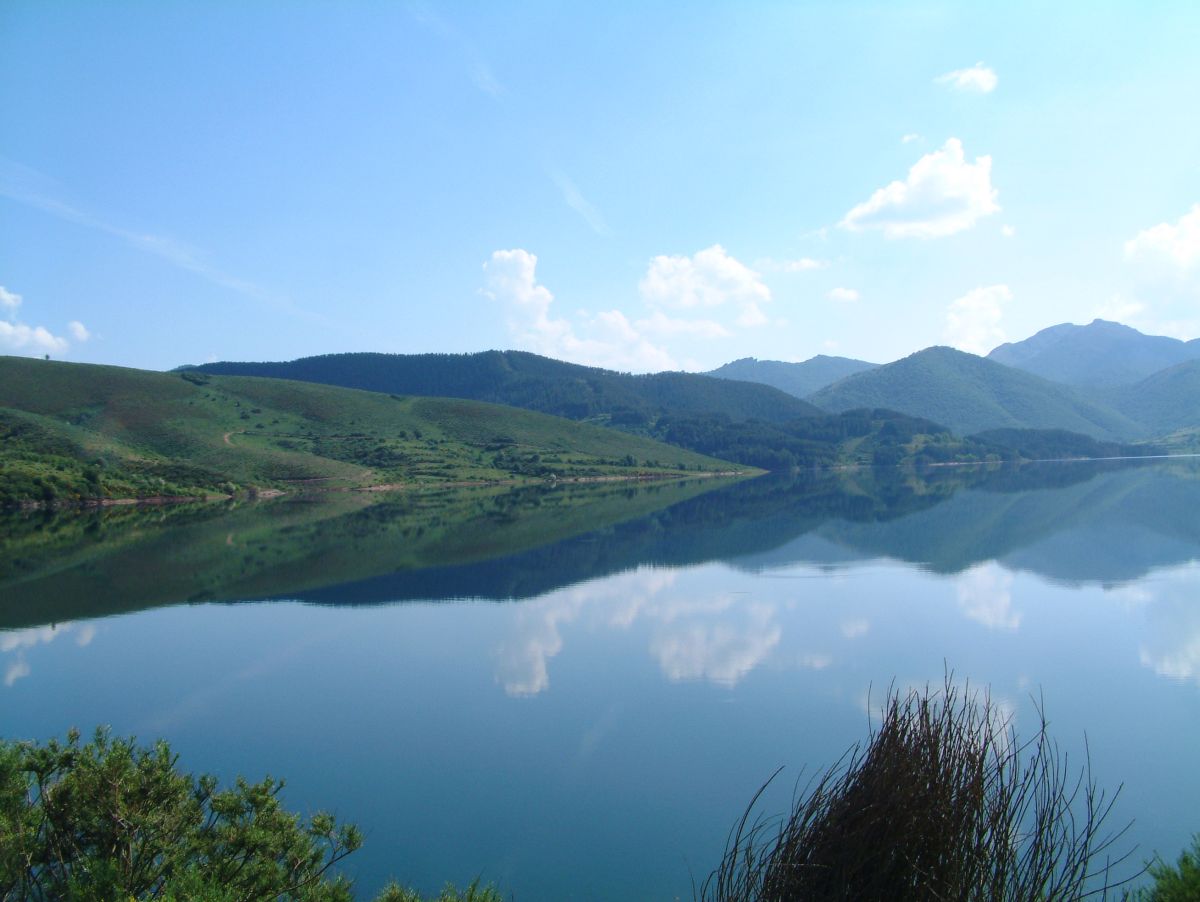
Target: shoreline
[{"x": 255, "y": 495}]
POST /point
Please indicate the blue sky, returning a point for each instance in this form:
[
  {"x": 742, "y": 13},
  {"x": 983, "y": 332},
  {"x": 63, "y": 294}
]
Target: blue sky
[{"x": 642, "y": 186}]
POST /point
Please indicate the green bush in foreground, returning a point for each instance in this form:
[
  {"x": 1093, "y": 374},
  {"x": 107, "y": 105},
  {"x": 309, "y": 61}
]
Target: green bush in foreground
[
  {"x": 1178, "y": 883},
  {"x": 112, "y": 820}
]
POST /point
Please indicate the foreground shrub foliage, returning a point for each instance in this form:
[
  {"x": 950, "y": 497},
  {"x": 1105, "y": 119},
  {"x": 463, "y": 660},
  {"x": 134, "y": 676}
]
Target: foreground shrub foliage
[
  {"x": 112, "y": 820},
  {"x": 945, "y": 802}
]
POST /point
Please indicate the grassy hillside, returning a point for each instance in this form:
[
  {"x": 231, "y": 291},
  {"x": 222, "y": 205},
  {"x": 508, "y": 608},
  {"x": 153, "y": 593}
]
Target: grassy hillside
[
  {"x": 85, "y": 431},
  {"x": 1101, "y": 353},
  {"x": 970, "y": 394},
  {"x": 537, "y": 383},
  {"x": 798, "y": 379}
]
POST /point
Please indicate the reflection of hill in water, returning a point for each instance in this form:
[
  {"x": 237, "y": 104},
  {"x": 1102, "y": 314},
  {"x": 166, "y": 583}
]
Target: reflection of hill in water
[
  {"x": 1104, "y": 522},
  {"x": 1114, "y": 525}
]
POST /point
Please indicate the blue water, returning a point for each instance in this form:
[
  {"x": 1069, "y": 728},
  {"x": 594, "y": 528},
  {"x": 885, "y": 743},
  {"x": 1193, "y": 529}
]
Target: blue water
[{"x": 597, "y": 738}]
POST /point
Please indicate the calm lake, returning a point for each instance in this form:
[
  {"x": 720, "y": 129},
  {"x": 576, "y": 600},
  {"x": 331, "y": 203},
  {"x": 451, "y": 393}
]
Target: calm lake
[{"x": 574, "y": 691}]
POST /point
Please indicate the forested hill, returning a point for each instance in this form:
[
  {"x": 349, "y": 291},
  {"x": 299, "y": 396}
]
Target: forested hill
[
  {"x": 799, "y": 379},
  {"x": 971, "y": 394},
  {"x": 1101, "y": 353},
  {"x": 521, "y": 379}
]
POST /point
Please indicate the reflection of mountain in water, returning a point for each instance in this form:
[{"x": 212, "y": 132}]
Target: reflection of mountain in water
[
  {"x": 1115, "y": 525},
  {"x": 1106, "y": 522}
]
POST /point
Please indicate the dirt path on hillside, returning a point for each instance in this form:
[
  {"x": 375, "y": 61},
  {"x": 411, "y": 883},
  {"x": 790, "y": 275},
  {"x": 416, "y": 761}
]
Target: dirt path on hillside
[{"x": 225, "y": 438}]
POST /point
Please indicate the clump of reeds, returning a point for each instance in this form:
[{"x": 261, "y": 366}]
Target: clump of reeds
[{"x": 943, "y": 803}]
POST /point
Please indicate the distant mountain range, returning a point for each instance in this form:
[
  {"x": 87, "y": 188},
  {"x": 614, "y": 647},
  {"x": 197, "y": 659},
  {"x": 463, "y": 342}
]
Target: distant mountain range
[
  {"x": 1104, "y": 380},
  {"x": 971, "y": 394},
  {"x": 1099, "y": 354},
  {"x": 799, "y": 379}
]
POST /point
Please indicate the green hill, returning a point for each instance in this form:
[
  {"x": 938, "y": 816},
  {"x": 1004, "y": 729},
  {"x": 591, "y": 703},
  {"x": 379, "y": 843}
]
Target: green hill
[
  {"x": 798, "y": 379},
  {"x": 971, "y": 394},
  {"x": 1101, "y": 353},
  {"x": 1167, "y": 401},
  {"x": 86, "y": 431},
  {"x": 537, "y": 383}
]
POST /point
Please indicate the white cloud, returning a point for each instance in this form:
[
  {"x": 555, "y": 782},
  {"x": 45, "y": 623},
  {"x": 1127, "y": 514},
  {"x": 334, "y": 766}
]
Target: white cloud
[
  {"x": 844, "y": 295},
  {"x": 9, "y": 301},
  {"x": 710, "y": 278},
  {"x": 801, "y": 264},
  {"x": 614, "y": 342},
  {"x": 973, "y": 321},
  {"x": 18, "y": 669},
  {"x": 577, "y": 202},
  {"x": 942, "y": 195},
  {"x": 658, "y": 323},
  {"x": 78, "y": 330},
  {"x": 1177, "y": 245},
  {"x": 910, "y": 137},
  {"x": 979, "y": 79},
  {"x": 1008, "y": 231},
  {"x": 24, "y": 339}
]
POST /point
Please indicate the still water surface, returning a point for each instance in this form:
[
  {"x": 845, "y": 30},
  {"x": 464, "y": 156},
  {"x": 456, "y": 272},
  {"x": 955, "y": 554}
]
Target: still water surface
[{"x": 574, "y": 692}]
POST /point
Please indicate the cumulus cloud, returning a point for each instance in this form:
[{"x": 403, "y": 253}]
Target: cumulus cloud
[
  {"x": 973, "y": 321},
  {"x": 18, "y": 338},
  {"x": 708, "y": 279},
  {"x": 942, "y": 195},
  {"x": 844, "y": 295},
  {"x": 611, "y": 340},
  {"x": 978, "y": 79},
  {"x": 1175, "y": 244},
  {"x": 658, "y": 323},
  {"x": 21, "y": 339},
  {"x": 9, "y": 302},
  {"x": 801, "y": 264}
]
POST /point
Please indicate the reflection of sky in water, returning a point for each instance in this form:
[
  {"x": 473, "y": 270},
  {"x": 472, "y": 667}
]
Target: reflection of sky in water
[{"x": 626, "y": 718}]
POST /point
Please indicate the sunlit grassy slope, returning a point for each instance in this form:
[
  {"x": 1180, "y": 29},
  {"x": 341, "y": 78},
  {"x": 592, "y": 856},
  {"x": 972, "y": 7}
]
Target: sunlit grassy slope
[{"x": 80, "y": 430}]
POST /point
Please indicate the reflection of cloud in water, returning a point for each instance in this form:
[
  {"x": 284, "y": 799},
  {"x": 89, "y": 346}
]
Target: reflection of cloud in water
[
  {"x": 522, "y": 660},
  {"x": 722, "y": 652},
  {"x": 985, "y": 596},
  {"x": 17, "y": 669},
  {"x": 1172, "y": 645},
  {"x": 852, "y": 629},
  {"x": 718, "y": 637},
  {"x": 20, "y": 640}
]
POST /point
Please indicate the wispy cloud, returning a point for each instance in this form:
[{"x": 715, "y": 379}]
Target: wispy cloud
[
  {"x": 978, "y": 79},
  {"x": 844, "y": 295},
  {"x": 477, "y": 67},
  {"x": 577, "y": 202},
  {"x": 33, "y": 189}
]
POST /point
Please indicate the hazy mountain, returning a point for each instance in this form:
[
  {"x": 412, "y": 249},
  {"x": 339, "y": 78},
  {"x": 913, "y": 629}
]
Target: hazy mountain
[
  {"x": 970, "y": 394},
  {"x": 1165, "y": 401},
  {"x": 1101, "y": 353},
  {"x": 799, "y": 379},
  {"x": 520, "y": 379}
]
